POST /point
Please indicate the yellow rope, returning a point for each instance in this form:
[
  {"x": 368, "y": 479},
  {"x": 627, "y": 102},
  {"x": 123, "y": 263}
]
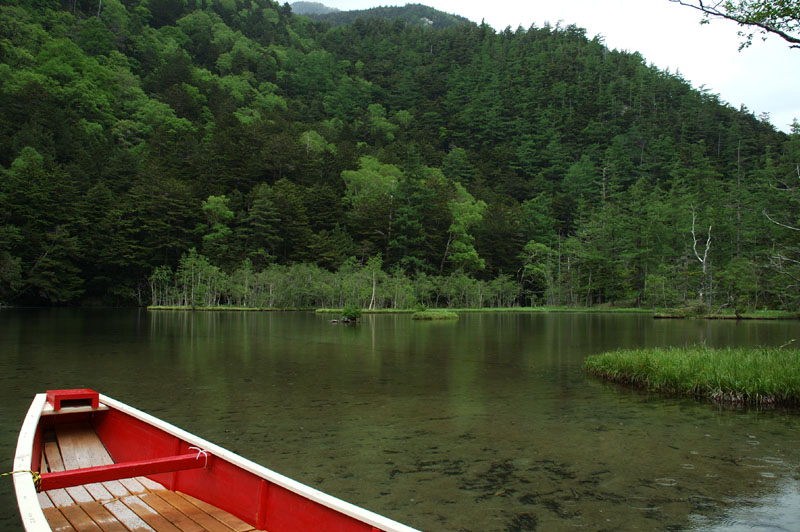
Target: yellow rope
[{"x": 37, "y": 477}]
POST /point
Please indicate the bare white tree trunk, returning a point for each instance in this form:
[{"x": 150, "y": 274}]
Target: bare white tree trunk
[
  {"x": 374, "y": 286},
  {"x": 704, "y": 289}
]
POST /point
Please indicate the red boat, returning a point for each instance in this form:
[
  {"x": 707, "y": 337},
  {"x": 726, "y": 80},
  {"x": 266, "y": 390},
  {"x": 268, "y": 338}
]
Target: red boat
[{"x": 85, "y": 462}]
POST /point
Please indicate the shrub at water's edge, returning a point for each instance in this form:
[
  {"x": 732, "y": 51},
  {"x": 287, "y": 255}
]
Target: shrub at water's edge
[
  {"x": 763, "y": 375},
  {"x": 434, "y": 314},
  {"x": 351, "y": 313}
]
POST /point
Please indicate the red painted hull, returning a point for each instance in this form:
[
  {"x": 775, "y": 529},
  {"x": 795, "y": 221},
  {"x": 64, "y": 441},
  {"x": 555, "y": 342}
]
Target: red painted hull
[{"x": 143, "y": 446}]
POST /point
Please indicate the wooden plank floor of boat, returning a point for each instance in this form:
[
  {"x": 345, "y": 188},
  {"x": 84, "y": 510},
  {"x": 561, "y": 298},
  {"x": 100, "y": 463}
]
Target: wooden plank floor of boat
[{"x": 128, "y": 505}]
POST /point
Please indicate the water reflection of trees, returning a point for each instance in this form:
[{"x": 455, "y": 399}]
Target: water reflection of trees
[{"x": 484, "y": 422}]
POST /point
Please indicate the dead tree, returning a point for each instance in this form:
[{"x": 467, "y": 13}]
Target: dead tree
[{"x": 705, "y": 286}]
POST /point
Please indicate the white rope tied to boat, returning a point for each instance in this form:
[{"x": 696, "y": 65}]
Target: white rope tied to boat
[{"x": 200, "y": 452}]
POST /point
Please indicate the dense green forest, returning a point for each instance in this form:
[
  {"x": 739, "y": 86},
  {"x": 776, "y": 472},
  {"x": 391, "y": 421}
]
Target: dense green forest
[{"x": 230, "y": 151}]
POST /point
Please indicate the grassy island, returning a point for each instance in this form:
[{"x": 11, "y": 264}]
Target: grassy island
[
  {"x": 434, "y": 314},
  {"x": 758, "y": 376},
  {"x": 727, "y": 315}
]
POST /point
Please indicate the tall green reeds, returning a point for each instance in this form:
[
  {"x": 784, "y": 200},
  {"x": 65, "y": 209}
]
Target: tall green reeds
[{"x": 764, "y": 375}]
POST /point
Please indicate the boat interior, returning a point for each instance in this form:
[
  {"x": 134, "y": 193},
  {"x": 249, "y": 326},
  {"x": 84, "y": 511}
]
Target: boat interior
[{"x": 135, "y": 504}]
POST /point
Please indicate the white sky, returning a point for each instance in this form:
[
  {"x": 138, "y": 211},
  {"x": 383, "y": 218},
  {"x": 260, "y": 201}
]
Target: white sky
[{"x": 764, "y": 77}]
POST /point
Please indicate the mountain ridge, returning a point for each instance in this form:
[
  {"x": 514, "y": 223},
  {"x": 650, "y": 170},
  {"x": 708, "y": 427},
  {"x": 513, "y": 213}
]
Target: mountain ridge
[
  {"x": 412, "y": 14},
  {"x": 312, "y": 8}
]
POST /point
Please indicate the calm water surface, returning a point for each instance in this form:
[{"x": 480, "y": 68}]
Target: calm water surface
[{"x": 484, "y": 424}]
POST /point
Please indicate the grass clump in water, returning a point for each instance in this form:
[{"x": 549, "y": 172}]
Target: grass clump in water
[
  {"x": 434, "y": 314},
  {"x": 758, "y": 376}
]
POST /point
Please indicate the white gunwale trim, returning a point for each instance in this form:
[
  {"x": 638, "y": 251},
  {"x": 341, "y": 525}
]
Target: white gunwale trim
[
  {"x": 27, "y": 499},
  {"x": 361, "y": 514}
]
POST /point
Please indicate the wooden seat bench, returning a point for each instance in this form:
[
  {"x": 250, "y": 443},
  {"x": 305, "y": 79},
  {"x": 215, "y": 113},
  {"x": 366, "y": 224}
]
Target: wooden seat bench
[
  {"x": 84, "y": 491},
  {"x": 103, "y": 473}
]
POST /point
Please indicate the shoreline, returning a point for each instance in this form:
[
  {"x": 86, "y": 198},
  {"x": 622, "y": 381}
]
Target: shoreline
[{"x": 658, "y": 315}]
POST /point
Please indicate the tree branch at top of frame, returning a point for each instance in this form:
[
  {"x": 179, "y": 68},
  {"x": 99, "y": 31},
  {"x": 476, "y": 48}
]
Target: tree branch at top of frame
[{"x": 777, "y": 17}]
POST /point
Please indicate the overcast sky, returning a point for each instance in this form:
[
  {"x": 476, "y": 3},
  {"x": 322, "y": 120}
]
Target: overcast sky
[{"x": 764, "y": 77}]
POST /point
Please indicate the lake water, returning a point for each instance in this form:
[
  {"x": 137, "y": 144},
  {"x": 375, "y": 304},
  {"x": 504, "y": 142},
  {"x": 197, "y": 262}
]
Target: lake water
[{"x": 482, "y": 424}]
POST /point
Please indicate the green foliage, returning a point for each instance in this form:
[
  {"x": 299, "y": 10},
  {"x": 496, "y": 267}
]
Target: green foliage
[
  {"x": 389, "y": 163},
  {"x": 466, "y": 212},
  {"x": 216, "y": 231},
  {"x": 780, "y": 17},
  {"x": 693, "y": 309},
  {"x": 538, "y": 274},
  {"x": 659, "y": 292},
  {"x": 351, "y": 312},
  {"x": 370, "y": 193},
  {"x": 198, "y": 283}
]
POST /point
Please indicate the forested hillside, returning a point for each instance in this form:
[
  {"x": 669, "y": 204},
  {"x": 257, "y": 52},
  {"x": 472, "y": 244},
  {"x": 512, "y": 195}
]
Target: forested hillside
[{"x": 229, "y": 151}]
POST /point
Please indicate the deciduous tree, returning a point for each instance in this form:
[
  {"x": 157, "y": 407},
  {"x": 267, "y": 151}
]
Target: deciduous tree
[{"x": 767, "y": 17}]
